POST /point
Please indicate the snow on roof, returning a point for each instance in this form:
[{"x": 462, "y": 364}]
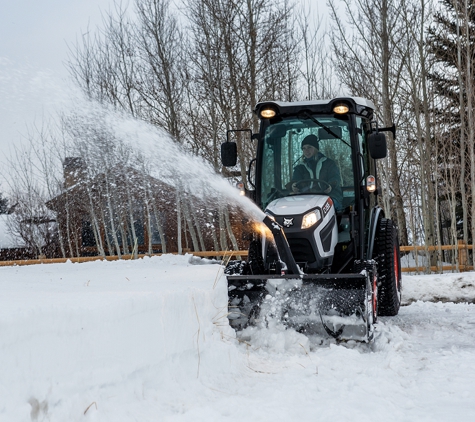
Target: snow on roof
[
  {"x": 358, "y": 100},
  {"x": 7, "y": 239}
]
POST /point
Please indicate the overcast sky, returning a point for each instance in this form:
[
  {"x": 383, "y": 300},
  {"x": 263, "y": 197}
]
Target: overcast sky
[
  {"x": 36, "y": 32},
  {"x": 34, "y": 39}
]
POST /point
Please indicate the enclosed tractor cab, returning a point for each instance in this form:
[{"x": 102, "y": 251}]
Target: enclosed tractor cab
[{"x": 324, "y": 255}]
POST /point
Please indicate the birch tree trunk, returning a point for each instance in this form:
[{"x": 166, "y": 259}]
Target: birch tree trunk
[{"x": 178, "y": 219}]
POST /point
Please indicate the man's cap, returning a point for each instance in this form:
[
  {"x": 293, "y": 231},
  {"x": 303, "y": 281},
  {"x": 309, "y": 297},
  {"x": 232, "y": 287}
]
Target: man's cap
[{"x": 310, "y": 140}]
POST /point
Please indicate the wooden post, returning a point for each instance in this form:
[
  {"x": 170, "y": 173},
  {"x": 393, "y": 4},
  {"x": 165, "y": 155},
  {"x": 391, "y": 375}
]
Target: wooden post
[{"x": 463, "y": 255}]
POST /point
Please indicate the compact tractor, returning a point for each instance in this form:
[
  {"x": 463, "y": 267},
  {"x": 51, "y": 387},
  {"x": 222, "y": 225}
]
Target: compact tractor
[{"x": 324, "y": 255}]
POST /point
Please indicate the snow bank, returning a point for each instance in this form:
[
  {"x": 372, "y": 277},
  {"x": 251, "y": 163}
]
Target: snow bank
[
  {"x": 454, "y": 287},
  {"x": 69, "y": 330}
]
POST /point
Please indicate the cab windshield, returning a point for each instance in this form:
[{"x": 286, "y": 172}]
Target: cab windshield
[{"x": 308, "y": 156}]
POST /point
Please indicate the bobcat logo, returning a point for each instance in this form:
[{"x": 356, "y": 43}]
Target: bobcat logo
[{"x": 288, "y": 222}]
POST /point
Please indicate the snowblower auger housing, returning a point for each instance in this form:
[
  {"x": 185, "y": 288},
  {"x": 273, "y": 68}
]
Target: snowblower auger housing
[{"x": 325, "y": 255}]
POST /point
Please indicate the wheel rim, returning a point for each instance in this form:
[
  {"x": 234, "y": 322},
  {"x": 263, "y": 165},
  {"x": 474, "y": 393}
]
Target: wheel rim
[
  {"x": 375, "y": 297},
  {"x": 396, "y": 275}
]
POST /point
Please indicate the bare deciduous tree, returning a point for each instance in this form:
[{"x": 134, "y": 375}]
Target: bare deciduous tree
[{"x": 370, "y": 65}]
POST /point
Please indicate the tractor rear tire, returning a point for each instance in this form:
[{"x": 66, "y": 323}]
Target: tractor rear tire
[{"x": 386, "y": 254}]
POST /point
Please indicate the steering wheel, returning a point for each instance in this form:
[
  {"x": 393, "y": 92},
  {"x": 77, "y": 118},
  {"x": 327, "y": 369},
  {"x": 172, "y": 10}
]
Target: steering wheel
[
  {"x": 314, "y": 188},
  {"x": 277, "y": 193}
]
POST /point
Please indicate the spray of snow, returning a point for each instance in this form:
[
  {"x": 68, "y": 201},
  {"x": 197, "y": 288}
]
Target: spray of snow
[
  {"x": 166, "y": 159},
  {"x": 170, "y": 158},
  {"x": 39, "y": 97}
]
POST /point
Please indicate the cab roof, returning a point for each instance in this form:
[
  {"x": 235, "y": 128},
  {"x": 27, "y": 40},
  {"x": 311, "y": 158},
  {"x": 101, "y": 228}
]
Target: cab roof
[{"x": 356, "y": 105}]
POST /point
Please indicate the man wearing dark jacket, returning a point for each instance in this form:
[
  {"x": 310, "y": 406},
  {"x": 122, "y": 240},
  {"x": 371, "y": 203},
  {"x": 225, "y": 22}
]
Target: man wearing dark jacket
[{"x": 316, "y": 166}]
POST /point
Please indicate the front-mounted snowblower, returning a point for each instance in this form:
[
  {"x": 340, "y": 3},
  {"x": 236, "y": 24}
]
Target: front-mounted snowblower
[{"x": 325, "y": 256}]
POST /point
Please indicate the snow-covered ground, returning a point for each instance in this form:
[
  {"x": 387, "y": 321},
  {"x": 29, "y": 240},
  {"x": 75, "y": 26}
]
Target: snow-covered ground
[{"x": 148, "y": 340}]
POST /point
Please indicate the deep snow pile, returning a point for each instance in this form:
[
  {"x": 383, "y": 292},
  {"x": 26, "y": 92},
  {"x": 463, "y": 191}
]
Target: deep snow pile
[{"x": 148, "y": 340}]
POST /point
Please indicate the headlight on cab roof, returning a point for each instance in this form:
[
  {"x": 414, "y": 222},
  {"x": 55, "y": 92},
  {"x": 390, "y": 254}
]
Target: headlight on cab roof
[
  {"x": 268, "y": 113},
  {"x": 341, "y": 108},
  {"x": 311, "y": 218}
]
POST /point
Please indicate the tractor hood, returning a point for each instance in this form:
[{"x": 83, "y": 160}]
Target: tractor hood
[{"x": 297, "y": 204}]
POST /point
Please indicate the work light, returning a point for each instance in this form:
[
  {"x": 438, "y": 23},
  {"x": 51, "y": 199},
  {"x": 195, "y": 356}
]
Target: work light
[
  {"x": 341, "y": 108},
  {"x": 267, "y": 113}
]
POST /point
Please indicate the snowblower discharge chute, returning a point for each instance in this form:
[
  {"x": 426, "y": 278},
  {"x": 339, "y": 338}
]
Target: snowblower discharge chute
[{"x": 325, "y": 257}]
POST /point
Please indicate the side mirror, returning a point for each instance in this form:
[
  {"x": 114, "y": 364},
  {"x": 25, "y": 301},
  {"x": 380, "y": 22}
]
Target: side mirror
[
  {"x": 377, "y": 145},
  {"x": 229, "y": 154}
]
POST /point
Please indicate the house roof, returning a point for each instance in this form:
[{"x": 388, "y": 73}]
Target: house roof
[{"x": 79, "y": 189}]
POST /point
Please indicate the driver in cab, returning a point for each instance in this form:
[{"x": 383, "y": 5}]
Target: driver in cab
[{"x": 317, "y": 173}]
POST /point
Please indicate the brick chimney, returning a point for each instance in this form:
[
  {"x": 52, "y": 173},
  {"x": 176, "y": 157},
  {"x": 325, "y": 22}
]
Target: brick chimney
[{"x": 74, "y": 171}]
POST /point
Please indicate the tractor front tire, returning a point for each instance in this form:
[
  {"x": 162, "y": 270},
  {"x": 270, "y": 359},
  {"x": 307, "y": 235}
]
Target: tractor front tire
[{"x": 386, "y": 254}]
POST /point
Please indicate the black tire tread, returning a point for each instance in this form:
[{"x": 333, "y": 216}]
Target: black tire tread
[{"x": 389, "y": 287}]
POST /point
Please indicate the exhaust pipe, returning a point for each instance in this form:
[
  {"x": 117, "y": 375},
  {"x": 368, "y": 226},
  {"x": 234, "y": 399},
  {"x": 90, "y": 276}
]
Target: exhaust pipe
[{"x": 283, "y": 247}]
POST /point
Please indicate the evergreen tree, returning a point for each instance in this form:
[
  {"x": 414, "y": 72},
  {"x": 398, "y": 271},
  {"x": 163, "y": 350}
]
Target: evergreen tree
[
  {"x": 451, "y": 43},
  {"x": 447, "y": 42}
]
